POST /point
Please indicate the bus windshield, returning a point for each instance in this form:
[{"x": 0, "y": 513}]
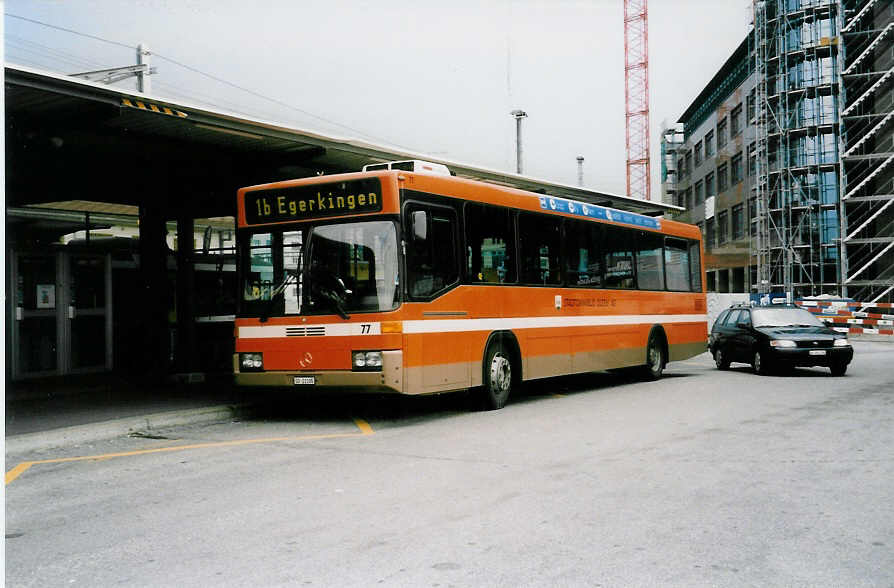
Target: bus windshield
[{"x": 345, "y": 268}]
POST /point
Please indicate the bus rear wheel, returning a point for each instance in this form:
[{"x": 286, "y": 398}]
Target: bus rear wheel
[
  {"x": 498, "y": 376},
  {"x": 655, "y": 358}
]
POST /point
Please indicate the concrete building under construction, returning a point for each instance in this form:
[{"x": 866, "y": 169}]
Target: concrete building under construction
[{"x": 792, "y": 139}]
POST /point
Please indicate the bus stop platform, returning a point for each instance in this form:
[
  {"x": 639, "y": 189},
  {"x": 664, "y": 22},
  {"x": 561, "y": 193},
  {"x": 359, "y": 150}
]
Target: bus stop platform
[{"x": 60, "y": 411}]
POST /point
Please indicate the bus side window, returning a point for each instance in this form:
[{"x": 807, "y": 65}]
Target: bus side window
[
  {"x": 583, "y": 260},
  {"x": 490, "y": 243},
  {"x": 431, "y": 252},
  {"x": 540, "y": 240},
  {"x": 695, "y": 266},
  {"x": 649, "y": 261},
  {"x": 617, "y": 247},
  {"x": 676, "y": 263}
]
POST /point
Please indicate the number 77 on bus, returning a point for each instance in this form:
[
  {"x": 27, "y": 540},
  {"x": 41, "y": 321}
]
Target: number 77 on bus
[{"x": 405, "y": 279}]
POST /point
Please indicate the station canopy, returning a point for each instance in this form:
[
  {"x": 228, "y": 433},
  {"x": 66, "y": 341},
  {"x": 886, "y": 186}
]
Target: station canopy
[{"x": 70, "y": 140}]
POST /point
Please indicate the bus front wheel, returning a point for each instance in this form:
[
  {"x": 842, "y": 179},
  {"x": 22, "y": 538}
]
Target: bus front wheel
[{"x": 498, "y": 376}]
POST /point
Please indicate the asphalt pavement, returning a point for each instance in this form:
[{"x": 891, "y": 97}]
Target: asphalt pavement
[{"x": 54, "y": 412}]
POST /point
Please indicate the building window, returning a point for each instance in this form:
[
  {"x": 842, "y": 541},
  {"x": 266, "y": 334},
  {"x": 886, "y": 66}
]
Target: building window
[
  {"x": 736, "y": 169},
  {"x": 687, "y": 198},
  {"x": 681, "y": 171},
  {"x": 749, "y": 105},
  {"x": 721, "y": 134},
  {"x": 722, "y": 178},
  {"x": 722, "y": 223},
  {"x": 709, "y": 233},
  {"x": 688, "y": 162},
  {"x": 709, "y": 144},
  {"x": 709, "y": 186},
  {"x": 699, "y": 193},
  {"x": 752, "y": 160},
  {"x": 698, "y": 153},
  {"x": 738, "y": 218},
  {"x": 735, "y": 121}
]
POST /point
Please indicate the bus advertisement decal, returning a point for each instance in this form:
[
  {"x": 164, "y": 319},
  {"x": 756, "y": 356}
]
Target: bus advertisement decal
[{"x": 600, "y": 212}]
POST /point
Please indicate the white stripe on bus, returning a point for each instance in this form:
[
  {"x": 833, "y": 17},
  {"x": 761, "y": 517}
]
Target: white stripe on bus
[{"x": 471, "y": 325}]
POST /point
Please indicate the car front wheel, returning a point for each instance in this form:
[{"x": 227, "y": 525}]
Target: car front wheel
[
  {"x": 838, "y": 369},
  {"x": 760, "y": 364}
]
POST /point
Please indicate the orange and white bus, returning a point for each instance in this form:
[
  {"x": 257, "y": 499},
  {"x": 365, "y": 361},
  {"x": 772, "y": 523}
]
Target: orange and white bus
[{"x": 418, "y": 282}]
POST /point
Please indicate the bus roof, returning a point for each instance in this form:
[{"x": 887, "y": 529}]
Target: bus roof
[{"x": 485, "y": 192}]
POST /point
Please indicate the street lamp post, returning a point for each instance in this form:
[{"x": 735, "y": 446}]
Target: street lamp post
[{"x": 518, "y": 115}]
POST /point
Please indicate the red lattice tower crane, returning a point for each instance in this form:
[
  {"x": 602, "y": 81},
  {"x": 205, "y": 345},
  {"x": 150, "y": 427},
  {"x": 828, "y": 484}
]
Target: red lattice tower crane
[{"x": 636, "y": 97}]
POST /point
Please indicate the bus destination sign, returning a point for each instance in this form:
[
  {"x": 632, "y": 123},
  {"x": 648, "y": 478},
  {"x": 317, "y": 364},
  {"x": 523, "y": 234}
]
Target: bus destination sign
[
  {"x": 600, "y": 212},
  {"x": 317, "y": 200}
]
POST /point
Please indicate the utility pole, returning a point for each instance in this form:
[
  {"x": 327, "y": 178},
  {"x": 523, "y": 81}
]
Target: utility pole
[
  {"x": 519, "y": 115},
  {"x": 144, "y": 85},
  {"x": 580, "y": 171},
  {"x": 142, "y": 70}
]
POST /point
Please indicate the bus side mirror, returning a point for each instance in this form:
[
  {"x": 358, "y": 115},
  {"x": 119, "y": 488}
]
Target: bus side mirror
[{"x": 419, "y": 222}]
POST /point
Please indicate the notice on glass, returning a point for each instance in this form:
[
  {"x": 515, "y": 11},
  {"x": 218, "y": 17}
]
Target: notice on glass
[{"x": 46, "y": 296}]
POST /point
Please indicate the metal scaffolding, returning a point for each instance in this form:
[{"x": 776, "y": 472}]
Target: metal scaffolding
[
  {"x": 867, "y": 130},
  {"x": 796, "y": 207}
]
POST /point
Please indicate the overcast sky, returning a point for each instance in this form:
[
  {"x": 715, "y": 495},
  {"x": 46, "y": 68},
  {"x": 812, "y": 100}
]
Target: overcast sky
[{"x": 437, "y": 77}]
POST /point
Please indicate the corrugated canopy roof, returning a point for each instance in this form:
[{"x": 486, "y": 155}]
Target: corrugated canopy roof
[{"x": 133, "y": 132}]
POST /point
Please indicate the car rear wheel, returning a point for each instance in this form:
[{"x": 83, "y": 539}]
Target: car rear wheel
[
  {"x": 838, "y": 369},
  {"x": 720, "y": 359},
  {"x": 760, "y": 364}
]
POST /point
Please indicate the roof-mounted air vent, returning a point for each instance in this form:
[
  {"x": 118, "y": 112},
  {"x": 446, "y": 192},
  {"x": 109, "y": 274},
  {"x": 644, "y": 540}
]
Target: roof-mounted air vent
[{"x": 411, "y": 165}]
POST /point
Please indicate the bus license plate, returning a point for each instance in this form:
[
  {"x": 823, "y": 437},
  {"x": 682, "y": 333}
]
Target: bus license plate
[
  {"x": 817, "y": 352},
  {"x": 304, "y": 380}
]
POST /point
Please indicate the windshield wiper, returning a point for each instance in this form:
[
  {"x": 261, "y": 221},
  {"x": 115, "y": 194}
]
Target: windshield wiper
[
  {"x": 331, "y": 289},
  {"x": 291, "y": 277}
]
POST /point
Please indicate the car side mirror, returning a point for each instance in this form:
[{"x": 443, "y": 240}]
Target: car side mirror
[{"x": 743, "y": 325}]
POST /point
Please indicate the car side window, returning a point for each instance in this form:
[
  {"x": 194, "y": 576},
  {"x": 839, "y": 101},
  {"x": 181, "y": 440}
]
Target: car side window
[
  {"x": 720, "y": 319},
  {"x": 732, "y": 318},
  {"x": 745, "y": 318}
]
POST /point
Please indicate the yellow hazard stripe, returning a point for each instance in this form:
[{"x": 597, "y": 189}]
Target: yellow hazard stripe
[{"x": 139, "y": 105}]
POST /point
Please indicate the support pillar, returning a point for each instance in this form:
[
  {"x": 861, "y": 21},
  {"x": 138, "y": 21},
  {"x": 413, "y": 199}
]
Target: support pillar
[
  {"x": 155, "y": 300},
  {"x": 185, "y": 358}
]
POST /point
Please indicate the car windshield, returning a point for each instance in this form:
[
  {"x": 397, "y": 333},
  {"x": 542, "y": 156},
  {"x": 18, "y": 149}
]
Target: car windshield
[
  {"x": 784, "y": 317},
  {"x": 327, "y": 269}
]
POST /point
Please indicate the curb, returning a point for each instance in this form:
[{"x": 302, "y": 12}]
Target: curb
[{"x": 44, "y": 440}]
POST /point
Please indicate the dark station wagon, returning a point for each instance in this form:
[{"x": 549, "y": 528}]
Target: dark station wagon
[{"x": 774, "y": 337}]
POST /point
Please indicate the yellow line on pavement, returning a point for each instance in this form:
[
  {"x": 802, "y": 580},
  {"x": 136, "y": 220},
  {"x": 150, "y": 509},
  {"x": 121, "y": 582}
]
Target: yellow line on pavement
[
  {"x": 17, "y": 471},
  {"x": 364, "y": 426}
]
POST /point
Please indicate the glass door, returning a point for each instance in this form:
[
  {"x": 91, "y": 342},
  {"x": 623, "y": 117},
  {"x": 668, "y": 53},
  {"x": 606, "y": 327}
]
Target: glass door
[
  {"x": 89, "y": 327},
  {"x": 35, "y": 328},
  {"x": 61, "y": 317}
]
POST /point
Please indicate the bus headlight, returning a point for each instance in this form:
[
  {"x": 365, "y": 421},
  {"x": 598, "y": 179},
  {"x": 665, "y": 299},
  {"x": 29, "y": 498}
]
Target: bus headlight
[
  {"x": 366, "y": 360},
  {"x": 251, "y": 362}
]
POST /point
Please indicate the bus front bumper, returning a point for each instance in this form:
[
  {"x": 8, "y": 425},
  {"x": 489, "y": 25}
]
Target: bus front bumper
[{"x": 389, "y": 380}]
